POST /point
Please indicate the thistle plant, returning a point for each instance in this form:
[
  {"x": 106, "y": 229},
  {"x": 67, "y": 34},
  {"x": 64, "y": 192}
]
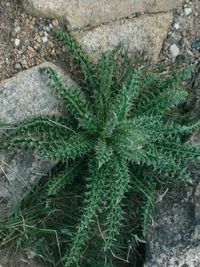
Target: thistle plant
[{"x": 121, "y": 119}]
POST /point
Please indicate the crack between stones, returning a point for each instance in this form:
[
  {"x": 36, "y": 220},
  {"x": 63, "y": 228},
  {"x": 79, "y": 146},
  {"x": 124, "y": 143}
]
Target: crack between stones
[{"x": 131, "y": 17}]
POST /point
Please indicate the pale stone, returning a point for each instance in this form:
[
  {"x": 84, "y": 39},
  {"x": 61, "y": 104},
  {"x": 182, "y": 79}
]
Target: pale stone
[
  {"x": 18, "y": 29},
  {"x": 44, "y": 39},
  {"x": 25, "y": 95},
  {"x": 187, "y": 11},
  {"x": 174, "y": 50},
  {"x": 176, "y": 26},
  {"x": 55, "y": 23},
  {"x": 145, "y": 33},
  {"x": 82, "y": 13},
  {"x": 16, "y": 42}
]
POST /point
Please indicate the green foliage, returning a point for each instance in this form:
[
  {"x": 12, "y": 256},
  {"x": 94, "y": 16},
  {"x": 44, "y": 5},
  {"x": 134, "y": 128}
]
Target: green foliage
[{"x": 121, "y": 122}]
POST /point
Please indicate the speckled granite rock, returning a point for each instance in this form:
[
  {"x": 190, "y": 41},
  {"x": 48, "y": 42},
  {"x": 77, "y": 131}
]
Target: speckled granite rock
[
  {"x": 173, "y": 239},
  {"x": 197, "y": 206},
  {"x": 26, "y": 94},
  {"x": 81, "y": 13},
  {"x": 25, "y": 259},
  {"x": 145, "y": 33}
]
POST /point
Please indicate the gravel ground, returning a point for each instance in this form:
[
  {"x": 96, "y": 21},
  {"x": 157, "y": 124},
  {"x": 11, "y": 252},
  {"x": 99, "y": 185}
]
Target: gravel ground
[
  {"x": 183, "y": 41},
  {"x": 25, "y": 41}
]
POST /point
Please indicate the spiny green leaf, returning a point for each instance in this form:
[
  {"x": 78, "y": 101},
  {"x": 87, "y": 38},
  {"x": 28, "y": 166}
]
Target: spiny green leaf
[
  {"x": 93, "y": 200},
  {"x": 122, "y": 104},
  {"x": 105, "y": 78},
  {"x": 73, "y": 99},
  {"x": 103, "y": 152},
  {"x": 120, "y": 127},
  {"x": 65, "y": 177},
  {"x": 80, "y": 56},
  {"x": 163, "y": 102},
  {"x": 116, "y": 189},
  {"x": 77, "y": 145}
]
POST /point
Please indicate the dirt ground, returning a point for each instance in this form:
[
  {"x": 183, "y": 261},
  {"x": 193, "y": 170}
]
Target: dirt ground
[{"x": 25, "y": 41}]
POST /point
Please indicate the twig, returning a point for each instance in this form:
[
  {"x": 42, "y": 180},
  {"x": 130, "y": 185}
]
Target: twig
[{"x": 64, "y": 126}]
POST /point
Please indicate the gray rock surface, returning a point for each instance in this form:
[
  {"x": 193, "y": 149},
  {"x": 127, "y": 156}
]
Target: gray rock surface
[
  {"x": 81, "y": 13},
  {"x": 174, "y": 50},
  {"x": 173, "y": 238},
  {"x": 25, "y": 259},
  {"x": 197, "y": 205},
  {"x": 145, "y": 33},
  {"x": 25, "y": 95}
]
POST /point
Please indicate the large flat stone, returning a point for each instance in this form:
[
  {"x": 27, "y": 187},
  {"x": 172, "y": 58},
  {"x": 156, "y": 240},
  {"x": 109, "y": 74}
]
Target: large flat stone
[
  {"x": 173, "y": 238},
  {"x": 82, "y": 13},
  {"x": 25, "y": 259},
  {"x": 145, "y": 33},
  {"x": 173, "y": 234},
  {"x": 25, "y": 95}
]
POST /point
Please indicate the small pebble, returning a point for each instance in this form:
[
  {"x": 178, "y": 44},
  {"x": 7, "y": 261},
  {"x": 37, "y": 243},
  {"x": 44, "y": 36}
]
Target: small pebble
[
  {"x": 176, "y": 26},
  {"x": 47, "y": 29},
  {"x": 44, "y": 39},
  {"x": 18, "y": 29},
  {"x": 50, "y": 26},
  {"x": 24, "y": 63},
  {"x": 41, "y": 33},
  {"x": 187, "y": 11},
  {"x": 17, "y": 42},
  {"x": 55, "y": 22},
  {"x": 31, "y": 254},
  {"x": 50, "y": 44},
  {"x": 53, "y": 52},
  {"x": 36, "y": 47},
  {"x": 38, "y": 39},
  {"x": 31, "y": 49},
  {"x": 64, "y": 49},
  {"x": 189, "y": 52},
  {"x": 17, "y": 66},
  {"x": 174, "y": 50},
  {"x": 16, "y": 23}
]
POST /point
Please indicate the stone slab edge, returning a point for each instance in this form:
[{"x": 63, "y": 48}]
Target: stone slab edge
[
  {"x": 27, "y": 94},
  {"x": 79, "y": 14},
  {"x": 145, "y": 33}
]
